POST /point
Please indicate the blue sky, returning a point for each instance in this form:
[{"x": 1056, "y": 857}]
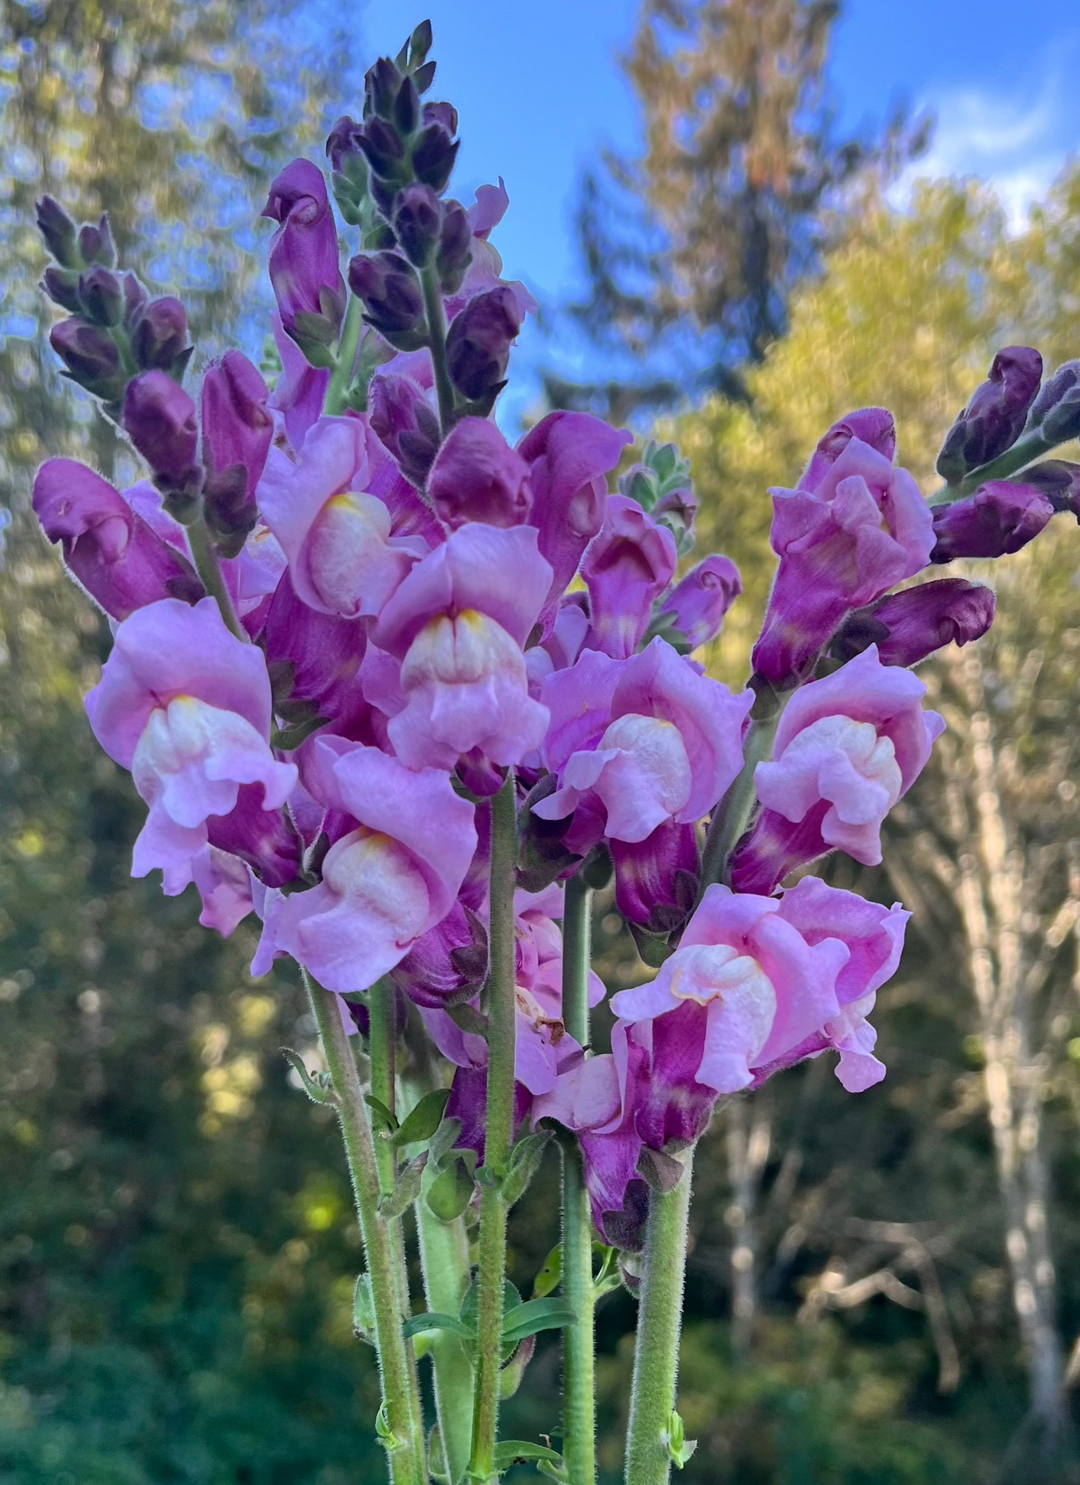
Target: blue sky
[{"x": 540, "y": 93}]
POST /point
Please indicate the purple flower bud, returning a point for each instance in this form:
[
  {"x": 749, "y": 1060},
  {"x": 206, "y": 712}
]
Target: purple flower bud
[
  {"x": 96, "y": 244},
  {"x": 101, "y": 296},
  {"x": 995, "y": 416},
  {"x": 135, "y": 300},
  {"x": 381, "y": 83},
  {"x": 89, "y": 355},
  {"x": 392, "y": 297},
  {"x": 448, "y": 964},
  {"x": 1059, "y": 481},
  {"x": 1000, "y": 517},
  {"x": 237, "y": 432},
  {"x": 677, "y": 510},
  {"x": 442, "y": 113},
  {"x": 160, "y": 338},
  {"x": 418, "y": 222},
  {"x": 628, "y": 564},
  {"x": 59, "y": 232},
  {"x": 407, "y": 108},
  {"x": 479, "y": 477},
  {"x": 872, "y": 425},
  {"x": 1056, "y": 410},
  {"x": 698, "y": 604},
  {"x": 433, "y": 156},
  {"x": 383, "y": 146},
  {"x": 304, "y": 266},
  {"x": 62, "y": 287},
  {"x": 656, "y": 879},
  {"x": 343, "y": 143},
  {"x": 455, "y": 247},
  {"x": 159, "y": 418},
  {"x": 404, "y": 419},
  {"x": 908, "y": 626},
  {"x": 350, "y": 171},
  {"x": 478, "y": 344}
]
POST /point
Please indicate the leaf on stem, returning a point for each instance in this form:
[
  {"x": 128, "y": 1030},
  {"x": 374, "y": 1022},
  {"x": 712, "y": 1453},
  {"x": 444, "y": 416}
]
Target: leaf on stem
[
  {"x": 406, "y": 1187},
  {"x": 364, "y": 1310},
  {"x": 679, "y": 1447},
  {"x": 451, "y": 1191},
  {"x": 550, "y": 1273},
  {"x": 534, "y": 1315},
  {"x": 437, "y": 1320},
  {"x": 525, "y": 1158},
  {"x": 384, "y": 1117},
  {"x": 423, "y": 1120},
  {"x": 318, "y": 1086},
  {"x": 518, "y": 1451}
]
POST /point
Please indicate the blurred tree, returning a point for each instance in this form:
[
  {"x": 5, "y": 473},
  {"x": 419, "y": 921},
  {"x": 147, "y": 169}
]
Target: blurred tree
[{"x": 691, "y": 250}]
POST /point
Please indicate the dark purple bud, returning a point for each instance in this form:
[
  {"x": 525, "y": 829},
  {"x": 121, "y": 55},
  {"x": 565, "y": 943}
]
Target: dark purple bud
[
  {"x": 404, "y": 419},
  {"x": 908, "y": 626},
  {"x": 656, "y": 879},
  {"x": 433, "y": 156},
  {"x": 96, "y": 244},
  {"x": 101, "y": 295},
  {"x": 383, "y": 146},
  {"x": 304, "y": 266},
  {"x": 88, "y": 353},
  {"x": 407, "y": 108},
  {"x": 872, "y": 425},
  {"x": 62, "y": 287},
  {"x": 135, "y": 300},
  {"x": 159, "y": 418},
  {"x": 237, "y": 432},
  {"x": 381, "y": 84},
  {"x": 995, "y": 416},
  {"x": 478, "y": 344},
  {"x": 393, "y": 300},
  {"x": 1059, "y": 481},
  {"x": 479, "y": 477},
  {"x": 455, "y": 247},
  {"x": 417, "y": 222},
  {"x": 677, "y": 510},
  {"x": 343, "y": 143},
  {"x": 448, "y": 964},
  {"x": 59, "y": 232},
  {"x": 698, "y": 604},
  {"x": 350, "y": 171},
  {"x": 1056, "y": 410},
  {"x": 160, "y": 337},
  {"x": 442, "y": 113},
  {"x": 1000, "y": 517}
]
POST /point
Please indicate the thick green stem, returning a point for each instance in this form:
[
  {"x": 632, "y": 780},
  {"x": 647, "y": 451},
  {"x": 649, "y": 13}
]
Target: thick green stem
[
  {"x": 337, "y": 392},
  {"x": 402, "y": 1416},
  {"x": 732, "y": 815},
  {"x": 206, "y": 565},
  {"x": 498, "y": 1131},
  {"x": 1024, "y": 451},
  {"x": 382, "y": 1039},
  {"x": 656, "y": 1356},
  {"x": 436, "y": 323},
  {"x": 579, "y": 1361}
]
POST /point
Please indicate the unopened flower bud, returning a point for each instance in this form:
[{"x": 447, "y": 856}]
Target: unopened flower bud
[
  {"x": 159, "y": 418},
  {"x": 88, "y": 353},
  {"x": 455, "y": 247},
  {"x": 237, "y": 432},
  {"x": 393, "y": 300},
  {"x": 479, "y": 341},
  {"x": 62, "y": 287},
  {"x": 995, "y": 416},
  {"x": 135, "y": 300},
  {"x": 417, "y": 222},
  {"x": 677, "y": 510},
  {"x": 1056, "y": 410},
  {"x": 96, "y": 244},
  {"x": 407, "y": 108},
  {"x": 479, "y": 477},
  {"x": 1059, "y": 481},
  {"x": 442, "y": 113},
  {"x": 101, "y": 295},
  {"x": 384, "y": 148},
  {"x": 381, "y": 83},
  {"x": 160, "y": 338},
  {"x": 870, "y": 425},
  {"x": 403, "y": 418},
  {"x": 59, "y": 232},
  {"x": 909, "y": 625},
  {"x": 1000, "y": 517},
  {"x": 698, "y": 604},
  {"x": 350, "y": 171}
]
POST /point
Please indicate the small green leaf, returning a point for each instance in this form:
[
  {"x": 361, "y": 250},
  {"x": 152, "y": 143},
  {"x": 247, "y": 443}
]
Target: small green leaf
[
  {"x": 317, "y": 1086},
  {"x": 511, "y": 1300},
  {"x": 451, "y": 1191},
  {"x": 550, "y": 1274},
  {"x": 525, "y": 1160},
  {"x": 364, "y": 1310},
  {"x": 535, "y": 1314},
  {"x": 468, "y": 1019},
  {"x": 436, "y": 1320},
  {"x": 607, "y": 1276},
  {"x": 518, "y": 1451},
  {"x": 383, "y": 1115},
  {"x": 406, "y": 1188},
  {"x": 553, "y": 1471},
  {"x": 443, "y": 1141},
  {"x": 679, "y": 1447},
  {"x": 387, "y": 1437},
  {"x": 423, "y": 1120}
]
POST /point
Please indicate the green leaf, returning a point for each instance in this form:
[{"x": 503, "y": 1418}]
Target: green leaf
[
  {"x": 384, "y": 1116},
  {"x": 451, "y": 1191},
  {"x": 511, "y": 1300},
  {"x": 468, "y": 1019},
  {"x": 550, "y": 1274},
  {"x": 436, "y": 1320},
  {"x": 607, "y": 1276},
  {"x": 406, "y": 1188},
  {"x": 364, "y": 1310},
  {"x": 423, "y": 1120},
  {"x": 387, "y": 1437},
  {"x": 443, "y": 1141},
  {"x": 535, "y": 1314},
  {"x": 518, "y": 1451},
  {"x": 317, "y": 1086},
  {"x": 679, "y": 1447},
  {"x": 525, "y": 1160}
]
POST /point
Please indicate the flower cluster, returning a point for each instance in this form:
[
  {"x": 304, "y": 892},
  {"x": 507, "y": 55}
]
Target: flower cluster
[{"x": 348, "y": 610}]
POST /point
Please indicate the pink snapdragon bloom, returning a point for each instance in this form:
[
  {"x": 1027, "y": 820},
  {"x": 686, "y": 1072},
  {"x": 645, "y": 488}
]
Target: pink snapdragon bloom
[
  {"x": 337, "y": 539},
  {"x": 863, "y": 528},
  {"x": 847, "y": 748},
  {"x": 300, "y": 391},
  {"x": 629, "y": 563},
  {"x": 113, "y": 552},
  {"x": 458, "y": 624},
  {"x": 186, "y": 707},
  {"x": 569, "y": 455},
  {"x": 304, "y": 266},
  {"x": 649, "y": 740},
  {"x": 224, "y": 884},
  {"x": 387, "y": 880}
]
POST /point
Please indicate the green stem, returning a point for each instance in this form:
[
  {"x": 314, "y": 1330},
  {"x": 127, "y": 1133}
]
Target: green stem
[
  {"x": 1024, "y": 451},
  {"x": 382, "y": 1037},
  {"x": 397, "y": 1367},
  {"x": 499, "y": 1129},
  {"x": 579, "y": 1360},
  {"x": 732, "y": 815},
  {"x": 337, "y": 392},
  {"x": 206, "y": 565},
  {"x": 436, "y": 323},
  {"x": 656, "y": 1355}
]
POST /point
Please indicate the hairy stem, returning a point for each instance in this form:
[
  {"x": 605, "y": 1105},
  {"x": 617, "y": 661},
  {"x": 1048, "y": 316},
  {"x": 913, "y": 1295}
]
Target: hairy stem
[
  {"x": 732, "y": 815},
  {"x": 579, "y": 1362},
  {"x": 499, "y": 1130},
  {"x": 397, "y": 1368},
  {"x": 206, "y": 565},
  {"x": 436, "y": 323},
  {"x": 1026, "y": 449},
  {"x": 656, "y": 1356},
  {"x": 337, "y": 391}
]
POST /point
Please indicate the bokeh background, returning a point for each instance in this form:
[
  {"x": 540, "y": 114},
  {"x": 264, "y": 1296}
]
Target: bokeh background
[{"x": 742, "y": 219}]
